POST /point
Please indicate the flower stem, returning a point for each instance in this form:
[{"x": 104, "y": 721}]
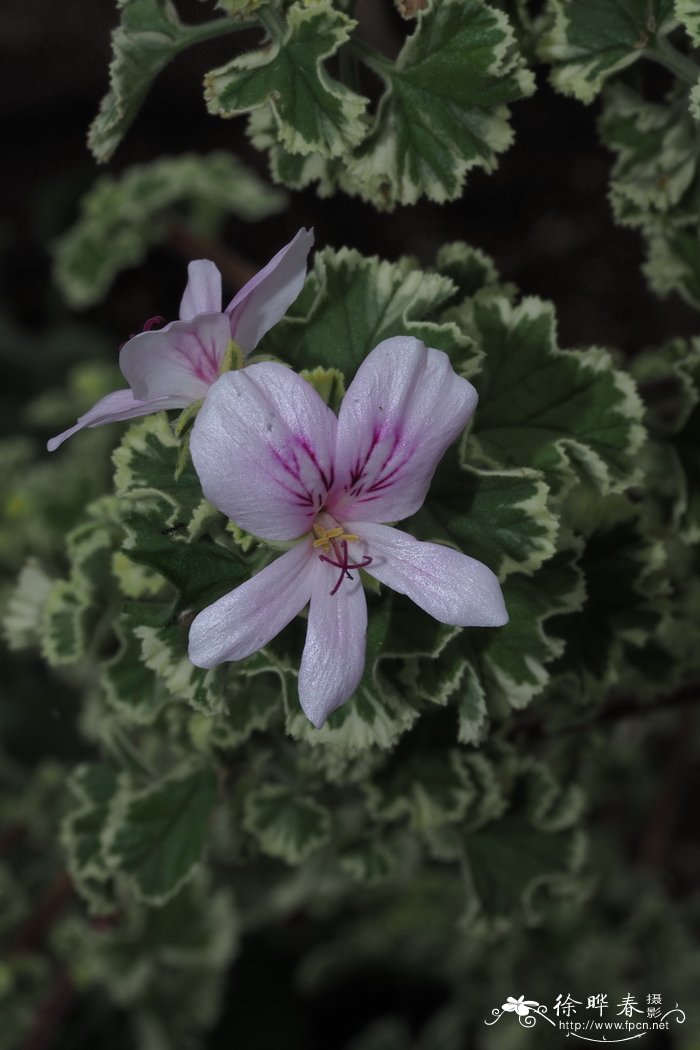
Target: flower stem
[
  {"x": 663, "y": 52},
  {"x": 370, "y": 57},
  {"x": 273, "y": 23},
  {"x": 218, "y": 27}
]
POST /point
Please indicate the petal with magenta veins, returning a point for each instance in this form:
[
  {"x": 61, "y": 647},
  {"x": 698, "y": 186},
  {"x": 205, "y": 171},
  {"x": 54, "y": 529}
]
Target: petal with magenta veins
[
  {"x": 451, "y": 586},
  {"x": 266, "y": 297},
  {"x": 250, "y": 616},
  {"x": 202, "y": 294},
  {"x": 119, "y": 405},
  {"x": 333, "y": 661},
  {"x": 183, "y": 359},
  {"x": 402, "y": 410},
  {"x": 262, "y": 445}
]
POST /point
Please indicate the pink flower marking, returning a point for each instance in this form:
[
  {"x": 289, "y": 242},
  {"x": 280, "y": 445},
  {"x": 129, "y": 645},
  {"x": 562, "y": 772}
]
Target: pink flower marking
[
  {"x": 174, "y": 366},
  {"x": 272, "y": 456}
]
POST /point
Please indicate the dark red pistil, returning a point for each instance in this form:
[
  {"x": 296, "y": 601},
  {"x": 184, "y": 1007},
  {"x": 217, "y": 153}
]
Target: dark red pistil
[{"x": 343, "y": 564}]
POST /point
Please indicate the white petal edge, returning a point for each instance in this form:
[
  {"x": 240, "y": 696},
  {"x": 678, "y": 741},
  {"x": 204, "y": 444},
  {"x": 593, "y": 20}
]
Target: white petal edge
[
  {"x": 266, "y": 297},
  {"x": 247, "y": 618},
  {"x": 114, "y": 408},
  {"x": 181, "y": 360},
  {"x": 262, "y": 445},
  {"x": 333, "y": 661},
  {"x": 202, "y": 293},
  {"x": 449, "y": 585},
  {"x": 402, "y": 410}
]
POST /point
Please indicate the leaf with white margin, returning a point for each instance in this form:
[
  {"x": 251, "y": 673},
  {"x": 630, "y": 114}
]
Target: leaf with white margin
[
  {"x": 564, "y": 413},
  {"x": 535, "y": 845},
  {"x": 350, "y": 303},
  {"x": 68, "y": 614},
  {"x": 624, "y": 576},
  {"x": 589, "y": 40},
  {"x": 164, "y": 651},
  {"x": 444, "y": 111},
  {"x": 313, "y": 112},
  {"x": 499, "y": 517},
  {"x": 122, "y": 218},
  {"x": 688, "y": 13},
  {"x": 495, "y": 670},
  {"x": 157, "y": 836},
  {"x": 295, "y": 170},
  {"x": 467, "y": 267},
  {"x": 686, "y": 443},
  {"x": 370, "y": 862},
  {"x": 131, "y": 688},
  {"x": 149, "y": 35},
  {"x": 284, "y": 823},
  {"x": 656, "y": 169},
  {"x": 145, "y": 463},
  {"x": 426, "y": 789},
  {"x": 93, "y": 788},
  {"x": 23, "y": 613},
  {"x": 252, "y": 703},
  {"x": 673, "y": 262}
]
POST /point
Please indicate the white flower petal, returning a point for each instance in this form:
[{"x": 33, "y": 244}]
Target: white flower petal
[
  {"x": 334, "y": 654},
  {"x": 247, "y": 618},
  {"x": 449, "y": 585},
  {"x": 203, "y": 292}
]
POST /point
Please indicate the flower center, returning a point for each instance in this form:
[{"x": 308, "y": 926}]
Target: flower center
[{"x": 334, "y": 541}]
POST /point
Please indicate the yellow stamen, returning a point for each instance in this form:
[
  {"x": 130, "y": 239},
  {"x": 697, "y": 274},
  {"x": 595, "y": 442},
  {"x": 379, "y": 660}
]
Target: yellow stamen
[{"x": 324, "y": 536}]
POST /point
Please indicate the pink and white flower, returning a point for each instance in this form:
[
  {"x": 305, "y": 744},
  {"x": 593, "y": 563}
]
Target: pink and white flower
[
  {"x": 175, "y": 365},
  {"x": 272, "y": 456}
]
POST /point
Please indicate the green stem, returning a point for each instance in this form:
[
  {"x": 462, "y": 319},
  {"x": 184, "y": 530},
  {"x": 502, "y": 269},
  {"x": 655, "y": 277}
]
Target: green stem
[
  {"x": 273, "y": 23},
  {"x": 370, "y": 57},
  {"x": 219, "y": 27},
  {"x": 679, "y": 64}
]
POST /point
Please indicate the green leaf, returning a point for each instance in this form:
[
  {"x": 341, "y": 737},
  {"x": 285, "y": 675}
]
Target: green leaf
[
  {"x": 444, "y": 110},
  {"x": 427, "y": 789},
  {"x": 590, "y": 40},
  {"x": 132, "y": 689},
  {"x": 145, "y": 465},
  {"x": 23, "y": 615},
  {"x": 566, "y": 414},
  {"x": 157, "y": 836},
  {"x": 122, "y": 218},
  {"x": 467, "y": 267},
  {"x": 68, "y": 614},
  {"x": 688, "y": 12},
  {"x": 148, "y": 37},
  {"x": 351, "y": 303},
  {"x": 370, "y": 862},
  {"x": 531, "y": 846},
  {"x": 493, "y": 670},
  {"x": 252, "y": 702},
  {"x": 656, "y": 169},
  {"x": 498, "y": 517},
  {"x": 285, "y": 824},
  {"x": 201, "y": 570},
  {"x": 313, "y": 112},
  {"x": 623, "y": 603},
  {"x": 164, "y": 651},
  {"x": 687, "y": 443},
  {"x": 673, "y": 262},
  {"x": 93, "y": 788}
]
